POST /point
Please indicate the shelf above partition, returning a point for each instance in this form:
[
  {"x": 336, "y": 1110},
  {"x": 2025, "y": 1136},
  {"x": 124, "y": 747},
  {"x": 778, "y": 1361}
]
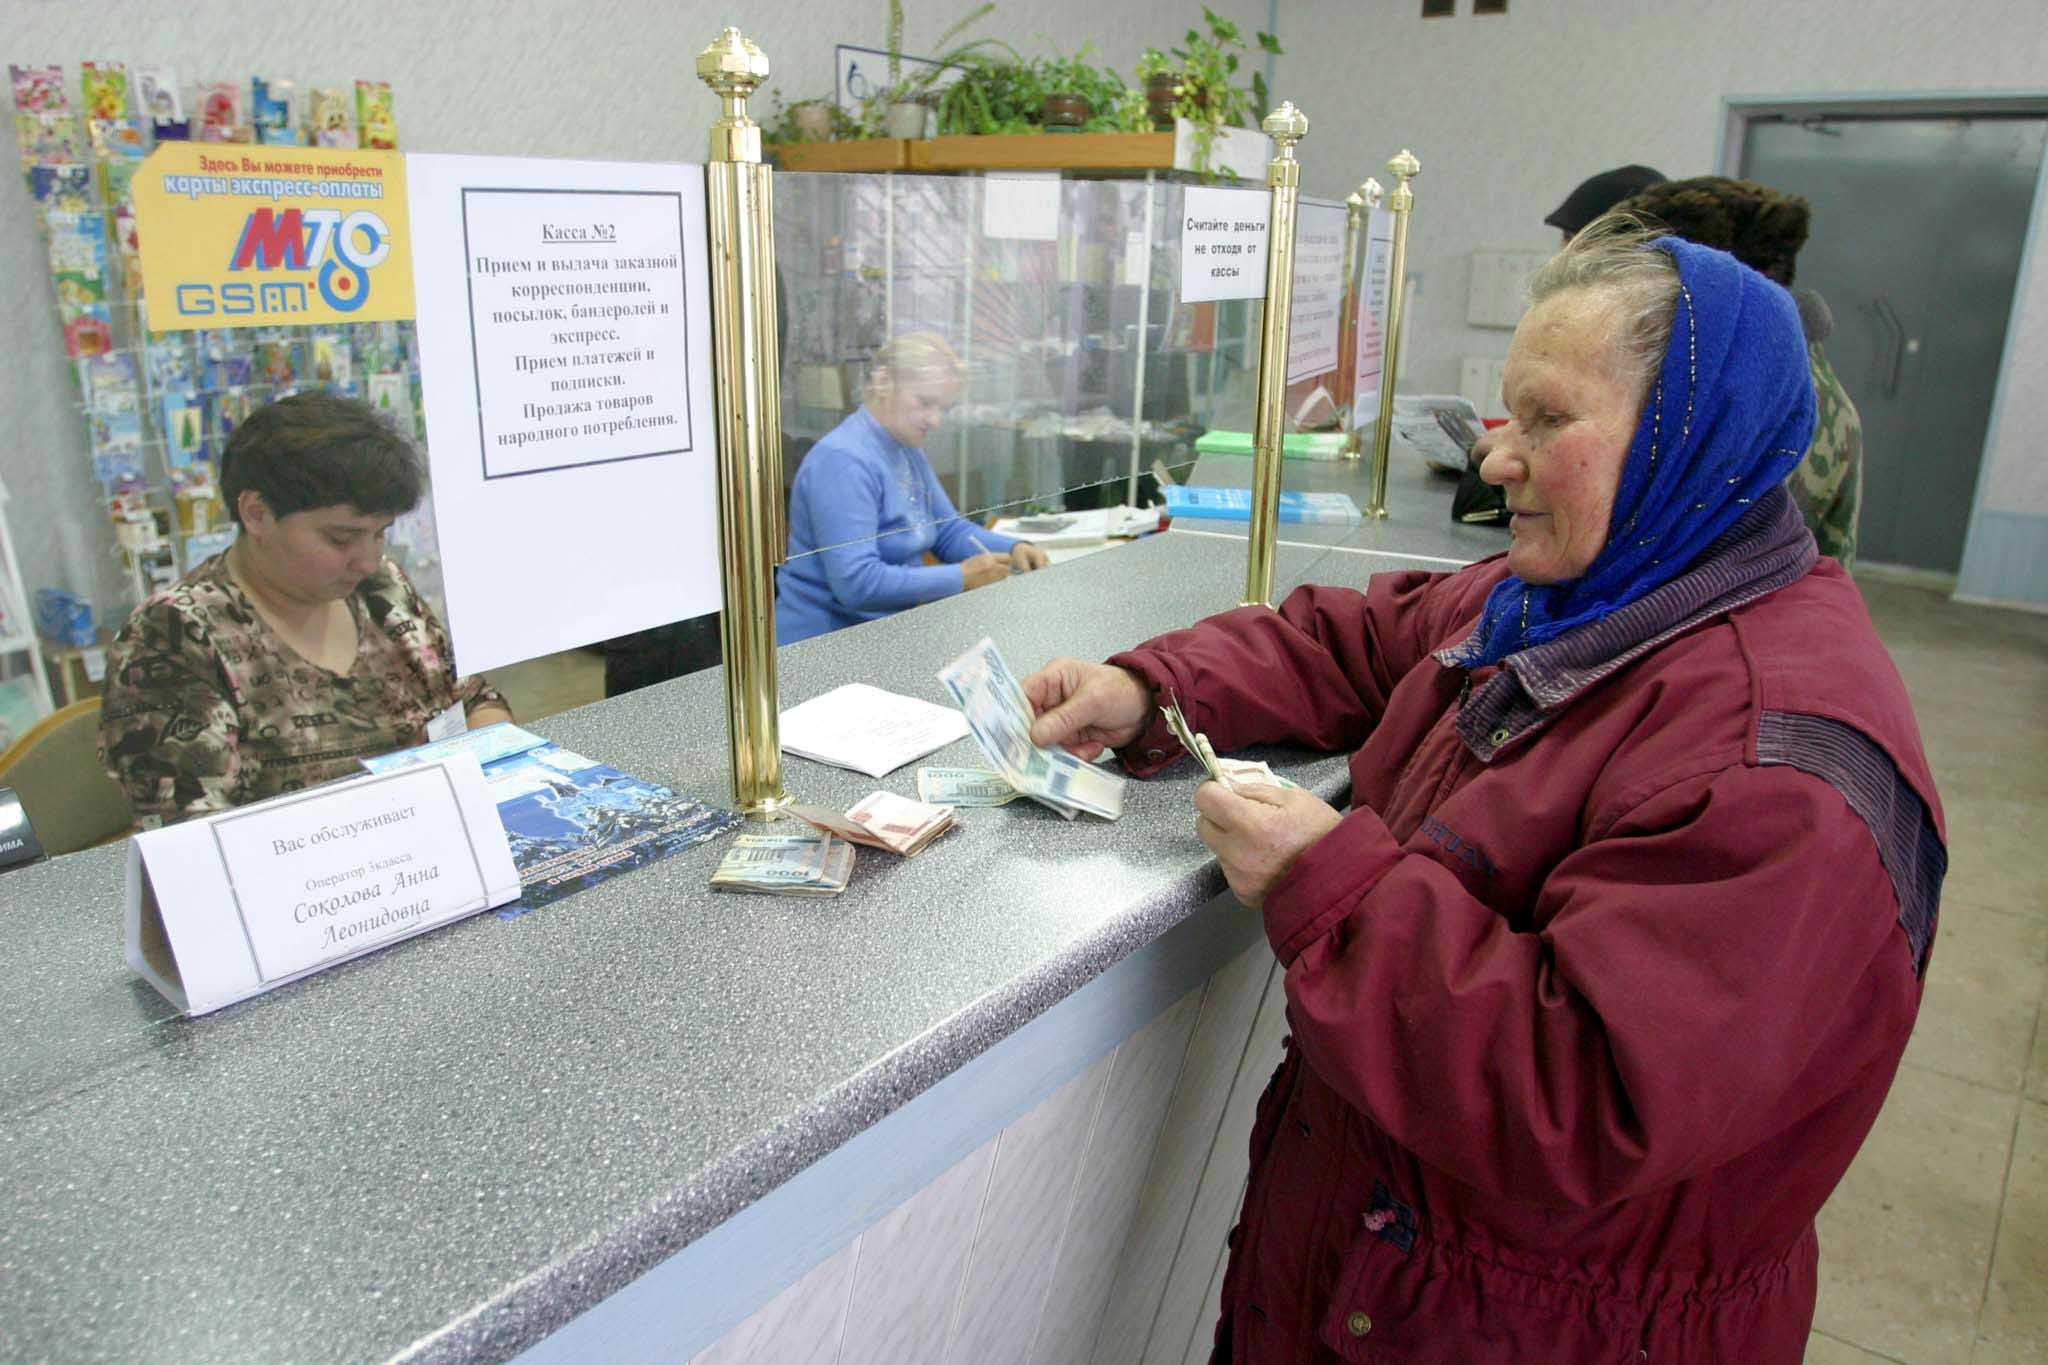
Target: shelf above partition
[
  {"x": 1087, "y": 152},
  {"x": 853, "y": 155}
]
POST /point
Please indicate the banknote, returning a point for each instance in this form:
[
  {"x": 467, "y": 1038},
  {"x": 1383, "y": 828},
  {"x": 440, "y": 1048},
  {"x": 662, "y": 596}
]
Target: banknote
[
  {"x": 1245, "y": 772},
  {"x": 786, "y": 864},
  {"x": 999, "y": 716},
  {"x": 964, "y": 787},
  {"x": 882, "y": 820}
]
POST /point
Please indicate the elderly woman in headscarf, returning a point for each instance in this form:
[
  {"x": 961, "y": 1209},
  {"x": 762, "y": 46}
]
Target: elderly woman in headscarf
[
  {"x": 1599, "y": 983},
  {"x": 867, "y": 509}
]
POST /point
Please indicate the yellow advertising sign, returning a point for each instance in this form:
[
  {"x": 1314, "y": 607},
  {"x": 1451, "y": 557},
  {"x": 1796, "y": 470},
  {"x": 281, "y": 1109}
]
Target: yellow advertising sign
[{"x": 253, "y": 236}]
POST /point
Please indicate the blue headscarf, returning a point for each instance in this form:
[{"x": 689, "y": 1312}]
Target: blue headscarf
[{"x": 1729, "y": 416}]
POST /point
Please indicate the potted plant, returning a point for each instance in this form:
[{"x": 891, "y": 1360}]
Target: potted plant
[
  {"x": 1162, "y": 87},
  {"x": 812, "y": 120},
  {"x": 991, "y": 95},
  {"x": 1076, "y": 91},
  {"x": 1210, "y": 97},
  {"x": 904, "y": 109}
]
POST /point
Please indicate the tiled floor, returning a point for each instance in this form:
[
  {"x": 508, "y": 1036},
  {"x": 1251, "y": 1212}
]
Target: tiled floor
[{"x": 1935, "y": 1248}]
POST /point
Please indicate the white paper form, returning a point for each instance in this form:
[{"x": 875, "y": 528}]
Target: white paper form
[
  {"x": 565, "y": 354},
  {"x": 1371, "y": 300},
  {"x": 1024, "y": 205},
  {"x": 869, "y": 730}
]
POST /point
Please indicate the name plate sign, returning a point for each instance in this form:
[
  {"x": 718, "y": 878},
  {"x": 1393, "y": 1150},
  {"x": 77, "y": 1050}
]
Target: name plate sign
[
  {"x": 227, "y": 907},
  {"x": 1223, "y": 244}
]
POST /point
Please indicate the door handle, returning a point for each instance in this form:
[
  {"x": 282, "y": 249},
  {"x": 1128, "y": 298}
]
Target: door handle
[{"x": 1896, "y": 330}]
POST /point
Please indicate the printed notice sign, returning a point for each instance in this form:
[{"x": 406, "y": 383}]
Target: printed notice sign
[
  {"x": 1371, "y": 302},
  {"x": 565, "y": 368},
  {"x": 577, "y": 309},
  {"x": 1024, "y": 205},
  {"x": 227, "y": 907},
  {"x": 1317, "y": 314},
  {"x": 1223, "y": 244}
]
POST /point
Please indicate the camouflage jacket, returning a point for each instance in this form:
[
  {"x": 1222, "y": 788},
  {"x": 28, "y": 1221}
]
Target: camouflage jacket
[
  {"x": 207, "y": 709},
  {"x": 1828, "y": 484}
]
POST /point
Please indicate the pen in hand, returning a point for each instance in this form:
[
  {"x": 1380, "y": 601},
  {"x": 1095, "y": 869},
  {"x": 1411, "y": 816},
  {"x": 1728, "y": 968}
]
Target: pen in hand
[{"x": 982, "y": 546}]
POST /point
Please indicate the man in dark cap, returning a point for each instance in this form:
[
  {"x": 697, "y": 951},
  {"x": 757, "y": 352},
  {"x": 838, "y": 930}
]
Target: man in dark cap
[{"x": 1602, "y": 192}]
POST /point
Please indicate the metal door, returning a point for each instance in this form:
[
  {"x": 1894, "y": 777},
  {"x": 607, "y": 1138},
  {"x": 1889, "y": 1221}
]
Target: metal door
[{"x": 1918, "y": 226}]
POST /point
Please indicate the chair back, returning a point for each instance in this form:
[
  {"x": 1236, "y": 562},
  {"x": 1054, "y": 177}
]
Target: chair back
[{"x": 55, "y": 770}]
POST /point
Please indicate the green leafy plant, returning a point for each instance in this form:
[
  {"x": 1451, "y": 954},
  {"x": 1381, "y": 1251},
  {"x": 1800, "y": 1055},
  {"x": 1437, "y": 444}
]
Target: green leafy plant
[
  {"x": 992, "y": 95},
  {"x": 920, "y": 85},
  {"x": 1207, "y": 64},
  {"x": 782, "y": 125}
]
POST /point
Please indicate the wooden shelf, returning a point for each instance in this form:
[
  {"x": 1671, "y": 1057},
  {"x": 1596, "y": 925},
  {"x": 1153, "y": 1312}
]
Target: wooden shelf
[
  {"x": 1045, "y": 152},
  {"x": 862, "y": 154}
]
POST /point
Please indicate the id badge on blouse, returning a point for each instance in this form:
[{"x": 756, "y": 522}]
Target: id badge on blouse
[{"x": 450, "y": 723}]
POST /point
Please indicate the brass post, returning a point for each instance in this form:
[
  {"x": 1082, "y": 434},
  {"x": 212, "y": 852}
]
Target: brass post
[
  {"x": 1404, "y": 168},
  {"x": 1358, "y": 291},
  {"x": 1286, "y": 126},
  {"x": 748, "y": 387}
]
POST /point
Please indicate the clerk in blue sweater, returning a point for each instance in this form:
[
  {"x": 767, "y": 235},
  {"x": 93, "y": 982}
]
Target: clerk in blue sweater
[{"x": 866, "y": 506}]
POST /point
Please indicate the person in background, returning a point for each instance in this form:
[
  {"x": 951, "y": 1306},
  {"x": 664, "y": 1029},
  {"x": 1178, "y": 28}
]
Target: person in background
[
  {"x": 280, "y": 662},
  {"x": 1599, "y": 983},
  {"x": 1597, "y": 194},
  {"x": 1764, "y": 229},
  {"x": 867, "y": 507}
]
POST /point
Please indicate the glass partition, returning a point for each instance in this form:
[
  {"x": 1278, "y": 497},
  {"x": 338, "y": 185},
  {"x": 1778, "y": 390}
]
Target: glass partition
[{"x": 1021, "y": 338}]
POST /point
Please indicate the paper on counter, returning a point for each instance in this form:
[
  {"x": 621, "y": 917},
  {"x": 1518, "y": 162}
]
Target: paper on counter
[{"x": 868, "y": 729}]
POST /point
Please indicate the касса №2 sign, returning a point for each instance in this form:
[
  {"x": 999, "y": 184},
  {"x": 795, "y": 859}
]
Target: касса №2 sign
[{"x": 252, "y": 236}]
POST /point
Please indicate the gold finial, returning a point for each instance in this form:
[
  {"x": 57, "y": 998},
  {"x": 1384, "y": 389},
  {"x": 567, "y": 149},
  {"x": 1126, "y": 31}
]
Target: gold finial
[
  {"x": 1404, "y": 168},
  {"x": 1369, "y": 190},
  {"x": 734, "y": 68},
  {"x": 1286, "y": 125}
]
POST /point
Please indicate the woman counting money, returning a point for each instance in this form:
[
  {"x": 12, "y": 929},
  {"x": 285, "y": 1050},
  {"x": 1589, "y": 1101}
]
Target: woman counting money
[
  {"x": 866, "y": 506},
  {"x": 278, "y": 663},
  {"x": 1600, "y": 982}
]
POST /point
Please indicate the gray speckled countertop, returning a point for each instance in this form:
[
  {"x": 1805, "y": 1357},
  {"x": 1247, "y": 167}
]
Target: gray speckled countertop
[{"x": 449, "y": 1148}]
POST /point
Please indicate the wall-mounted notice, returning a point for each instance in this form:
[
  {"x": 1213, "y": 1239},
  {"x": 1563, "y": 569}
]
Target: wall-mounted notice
[
  {"x": 1223, "y": 244},
  {"x": 578, "y": 312},
  {"x": 1316, "y": 317},
  {"x": 565, "y": 353},
  {"x": 1371, "y": 300}
]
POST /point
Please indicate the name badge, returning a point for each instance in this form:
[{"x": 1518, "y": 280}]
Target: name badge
[
  {"x": 450, "y": 723},
  {"x": 228, "y": 907}
]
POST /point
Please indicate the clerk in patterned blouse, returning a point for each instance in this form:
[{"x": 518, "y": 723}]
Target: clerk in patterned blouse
[
  {"x": 866, "y": 506},
  {"x": 278, "y": 663}
]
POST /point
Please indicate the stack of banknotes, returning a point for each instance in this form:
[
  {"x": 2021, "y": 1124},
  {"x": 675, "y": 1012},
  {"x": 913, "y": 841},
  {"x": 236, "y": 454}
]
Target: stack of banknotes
[
  {"x": 1231, "y": 772},
  {"x": 792, "y": 863},
  {"x": 964, "y": 787},
  {"x": 993, "y": 701},
  {"x": 883, "y": 820}
]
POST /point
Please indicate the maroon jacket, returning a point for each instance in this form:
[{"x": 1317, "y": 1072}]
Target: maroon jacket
[{"x": 1600, "y": 984}]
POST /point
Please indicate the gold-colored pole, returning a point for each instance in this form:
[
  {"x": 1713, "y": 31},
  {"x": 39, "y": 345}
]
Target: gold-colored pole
[
  {"x": 1347, "y": 337},
  {"x": 1404, "y": 168},
  {"x": 1286, "y": 126},
  {"x": 753, "y": 539},
  {"x": 1359, "y": 203}
]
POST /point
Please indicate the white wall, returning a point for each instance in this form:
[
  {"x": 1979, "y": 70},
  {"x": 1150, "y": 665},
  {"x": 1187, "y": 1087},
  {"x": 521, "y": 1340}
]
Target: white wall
[
  {"x": 1508, "y": 113},
  {"x": 604, "y": 79}
]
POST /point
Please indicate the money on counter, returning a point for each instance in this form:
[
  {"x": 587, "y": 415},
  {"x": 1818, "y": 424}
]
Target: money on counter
[
  {"x": 786, "y": 864},
  {"x": 882, "y": 820},
  {"x": 999, "y": 716},
  {"x": 964, "y": 787}
]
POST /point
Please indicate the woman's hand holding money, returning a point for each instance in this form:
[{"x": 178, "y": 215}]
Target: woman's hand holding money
[{"x": 1257, "y": 832}]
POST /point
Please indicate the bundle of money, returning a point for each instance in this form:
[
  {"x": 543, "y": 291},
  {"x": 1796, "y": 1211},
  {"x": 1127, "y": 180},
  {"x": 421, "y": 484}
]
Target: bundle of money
[
  {"x": 882, "y": 820},
  {"x": 1231, "y": 772},
  {"x": 964, "y": 787},
  {"x": 1000, "y": 717},
  {"x": 786, "y": 864}
]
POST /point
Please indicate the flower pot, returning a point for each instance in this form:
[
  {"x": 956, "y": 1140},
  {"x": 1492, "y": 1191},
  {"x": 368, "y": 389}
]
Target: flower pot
[
  {"x": 813, "y": 122},
  {"x": 905, "y": 119},
  {"x": 1063, "y": 113},
  {"x": 1162, "y": 94}
]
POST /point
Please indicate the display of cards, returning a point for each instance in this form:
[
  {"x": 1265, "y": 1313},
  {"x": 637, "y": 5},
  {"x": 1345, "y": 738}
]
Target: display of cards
[
  {"x": 184, "y": 428},
  {"x": 78, "y": 259},
  {"x": 105, "y": 86},
  {"x": 220, "y": 111},
  {"x": 333, "y": 361},
  {"x": 116, "y": 446},
  {"x": 391, "y": 395},
  {"x": 39, "y": 89},
  {"x": 230, "y": 408},
  {"x": 117, "y": 137},
  {"x": 49, "y": 138},
  {"x": 170, "y": 360},
  {"x": 109, "y": 383},
  {"x": 277, "y": 363},
  {"x": 374, "y": 115},
  {"x": 61, "y": 189},
  {"x": 156, "y": 93},
  {"x": 332, "y": 119},
  {"x": 272, "y": 103},
  {"x": 117, "y": 180}
]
